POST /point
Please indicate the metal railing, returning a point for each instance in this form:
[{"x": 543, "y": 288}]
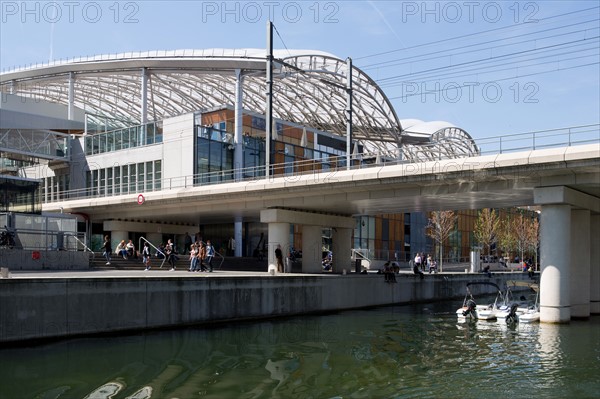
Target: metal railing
[
  {"x": 158, "y": 251},
  {"x": 217, "y": 253},
  {"x": 85, "y": 247},
  {"x": 164, "y": 256},
  {"x": 37, "y": 240},
  {"x": 578, "y": 135},
  {"x": 568, "y": 136},
  {"x": 361, "y": 254}
]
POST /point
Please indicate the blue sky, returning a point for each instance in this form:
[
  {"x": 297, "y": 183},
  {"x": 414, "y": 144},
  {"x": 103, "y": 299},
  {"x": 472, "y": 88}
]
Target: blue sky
[{"x": 492, "y": 68}]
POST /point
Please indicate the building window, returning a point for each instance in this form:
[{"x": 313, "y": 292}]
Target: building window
[
  {"x": 157, "y": 175},
  {"x": 140, "y": 178},
  {"x": 149, "y": 176}
]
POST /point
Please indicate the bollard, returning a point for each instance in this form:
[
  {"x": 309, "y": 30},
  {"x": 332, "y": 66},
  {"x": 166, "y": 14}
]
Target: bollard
[
  {"x": 272, "y": 272},
  {"x": 4, "y": 272},
  {"x": 344, "y": 272}
]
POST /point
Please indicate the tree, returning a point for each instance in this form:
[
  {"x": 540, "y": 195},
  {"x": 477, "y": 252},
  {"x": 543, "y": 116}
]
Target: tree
[
  {"x": 534, "y": 239},
  {"x": 505, "y": 237},
  {"x": 440, "y": 224},
  {"x": 486, "y": 229},
  {"x": 525, "y": 230}
]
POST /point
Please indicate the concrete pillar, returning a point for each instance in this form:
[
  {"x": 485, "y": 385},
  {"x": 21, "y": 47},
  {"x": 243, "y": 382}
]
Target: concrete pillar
[
  {"x": 555, "y": 255},
  {"x": 595, "y": 264},
  {"x": 342, "y": 247},
  {"x": 311, "y": 233},
  {"x": 312, "y": 249},
  {"x": 154, "y": 238},
  {"x": 279, "y": 234},
  {"x": 580, "y": 264},
  {"x": 237, "y": 236}
]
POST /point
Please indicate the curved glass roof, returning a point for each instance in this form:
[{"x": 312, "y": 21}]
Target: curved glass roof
[{"x": 309, "y": 89}]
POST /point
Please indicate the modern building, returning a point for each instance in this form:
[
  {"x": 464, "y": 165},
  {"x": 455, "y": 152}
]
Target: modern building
[{"x": 125, "y": 125}]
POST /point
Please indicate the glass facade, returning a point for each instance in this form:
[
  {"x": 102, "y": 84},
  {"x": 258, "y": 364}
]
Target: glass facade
[
  {"x": 54, "y": 187},
  {"x": 19, "y": 195},
  {"x": 125, "y": 179},
  {"x": 122, "y": 139},
  {"x": 400, "y": 236},
  {"x": 214, "y": 155}
]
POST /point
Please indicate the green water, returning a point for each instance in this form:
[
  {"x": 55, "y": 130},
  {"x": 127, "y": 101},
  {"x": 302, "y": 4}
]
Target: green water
[{"x": 391, "y": 352}]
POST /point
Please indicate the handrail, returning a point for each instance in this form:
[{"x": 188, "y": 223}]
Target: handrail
[
  {"x": 217, "y": 253},
  {"x": 85, "y": 247},
  {"x": 153, "y": 246},
  {"x": 358, "y": 251}
]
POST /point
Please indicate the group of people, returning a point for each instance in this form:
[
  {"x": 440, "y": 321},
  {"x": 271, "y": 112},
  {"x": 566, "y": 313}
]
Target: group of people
[
  {"x": 389, "y": 272},
  {"x": 126, "y": 251},
  {"x": 422, "y": 263},
  {"x": 201, "y": 254}
]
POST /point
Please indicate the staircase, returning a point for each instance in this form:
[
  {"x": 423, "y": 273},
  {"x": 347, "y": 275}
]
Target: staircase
[{"x": 248, "y": 264}]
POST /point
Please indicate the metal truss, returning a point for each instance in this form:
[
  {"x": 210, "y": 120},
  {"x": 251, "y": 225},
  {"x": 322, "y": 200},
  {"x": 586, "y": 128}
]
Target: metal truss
[{"x": 309, "y": 89}]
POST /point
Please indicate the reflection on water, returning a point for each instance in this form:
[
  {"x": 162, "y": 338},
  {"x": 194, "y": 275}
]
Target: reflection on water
[{"x": 393, "y": 352}]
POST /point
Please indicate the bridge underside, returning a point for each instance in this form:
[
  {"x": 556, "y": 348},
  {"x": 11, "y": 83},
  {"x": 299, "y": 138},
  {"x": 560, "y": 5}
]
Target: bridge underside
[
  {"x": 565, "y": 183},
  {"x": 470, "y": 183}
]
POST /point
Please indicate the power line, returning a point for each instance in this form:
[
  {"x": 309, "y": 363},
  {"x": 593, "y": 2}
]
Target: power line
[
  {"x": 382, "y": 64},
  {"x": 472, "y": 34},
  {"x": 280, "y": 38},
  {"x": 496, "y": 59},
  {"x": 499, "y": 80},
  {"x": 437, "y": 78}
]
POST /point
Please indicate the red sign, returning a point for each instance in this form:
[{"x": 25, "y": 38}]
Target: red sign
[
  {"x": 141, "y": 199},
  {"x": 35, "y": 255}
]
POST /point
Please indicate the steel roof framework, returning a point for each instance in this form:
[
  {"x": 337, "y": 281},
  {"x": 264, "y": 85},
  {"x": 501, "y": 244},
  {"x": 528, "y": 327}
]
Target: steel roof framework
[{"x": 309, "y": 90}]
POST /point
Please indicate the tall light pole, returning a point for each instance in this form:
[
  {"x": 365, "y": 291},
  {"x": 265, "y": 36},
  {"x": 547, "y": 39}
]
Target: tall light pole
[
  {"x": 269, "y": 102},
  {"x": 348, "y": 112}
]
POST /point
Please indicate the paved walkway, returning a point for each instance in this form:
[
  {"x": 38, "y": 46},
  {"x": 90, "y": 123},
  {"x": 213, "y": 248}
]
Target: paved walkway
[{"x": 162, "y": 273}]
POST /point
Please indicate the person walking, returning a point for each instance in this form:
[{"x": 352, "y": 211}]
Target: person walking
[
  {"x": 107, "y": 249},
  {"x": 170, "y": 252},
  {"x": 193, "y": 258},
  {"x": 201, "y": 256},
  {"x": 210, "y": 253},
  {"x": 146, "y": 256}
]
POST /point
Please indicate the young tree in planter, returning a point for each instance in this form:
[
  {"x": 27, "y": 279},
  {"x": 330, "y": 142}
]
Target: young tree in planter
[
  {"x": 522, "y": 227},
  {"x": 440, "y": 224},
  {"x": 533, "y": 239},
  {"x": 506, "y": 238},
  {"x": 486, "y": 229}
]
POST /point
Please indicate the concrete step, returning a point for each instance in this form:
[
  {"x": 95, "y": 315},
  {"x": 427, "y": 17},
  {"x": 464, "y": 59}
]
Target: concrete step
[{"x": 229, "y": 263}]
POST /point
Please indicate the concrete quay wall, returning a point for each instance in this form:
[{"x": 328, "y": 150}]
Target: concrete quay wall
[
  {"x": 43, "y": 308},
  {"x": 21, "y": 259}
]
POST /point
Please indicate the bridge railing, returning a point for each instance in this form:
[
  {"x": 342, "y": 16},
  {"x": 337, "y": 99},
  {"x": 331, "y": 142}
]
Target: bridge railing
[
  {"x": 562, "y": 137},
  {"x": 579, "y": 135}
]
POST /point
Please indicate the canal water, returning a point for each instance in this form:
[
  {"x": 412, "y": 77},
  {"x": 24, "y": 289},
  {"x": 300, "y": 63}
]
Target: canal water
[{"x": 418, "y": 351}]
